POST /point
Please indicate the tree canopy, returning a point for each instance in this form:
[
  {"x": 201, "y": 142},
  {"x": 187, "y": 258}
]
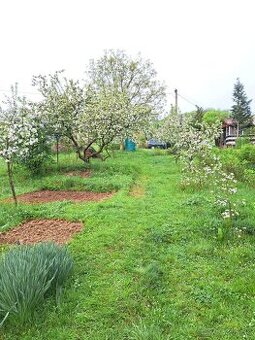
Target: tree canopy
[
  {"x": 118, "y": 99},
  {"x": 133, "y": 76},
  {"x": 212, "y": 116}
]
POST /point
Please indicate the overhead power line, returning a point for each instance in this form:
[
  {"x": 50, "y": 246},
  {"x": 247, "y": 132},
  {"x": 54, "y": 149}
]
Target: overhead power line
[
  {"x": 191, "y": 102},
  {"x": 187, "y": 100}
]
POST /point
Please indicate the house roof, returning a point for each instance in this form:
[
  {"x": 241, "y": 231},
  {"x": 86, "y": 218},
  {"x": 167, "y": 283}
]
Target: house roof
[{"x": 229, "y": 122}]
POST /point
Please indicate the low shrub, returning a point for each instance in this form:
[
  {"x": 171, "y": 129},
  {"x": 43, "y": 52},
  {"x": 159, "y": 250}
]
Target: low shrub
[
  {"x": 27, "y": 275},
  {"x": 247, "y": 154},
  {"x": 231, "y": 162},
  {"x": 249, "y": 177},
  {"x": 240, "y": 161}
]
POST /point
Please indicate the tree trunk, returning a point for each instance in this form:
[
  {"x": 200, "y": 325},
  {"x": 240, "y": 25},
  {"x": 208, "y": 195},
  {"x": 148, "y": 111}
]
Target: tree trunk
[
  {"x": 11, "y": 181},
  {"x": 57, "y": 151}
]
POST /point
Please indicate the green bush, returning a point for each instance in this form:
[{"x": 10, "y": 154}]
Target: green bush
[
  {"x": 249, "y": 177},
  {"x": 241, "y": 141},
  {"x": 38, "y": 155},
  {"x": 247, "y": 153},
  {"x": 212, "y": 116},
  {"x": 240, "y": 161},
  {"x": 231, "y": 162},
  {"x": 27, "y": 275}
]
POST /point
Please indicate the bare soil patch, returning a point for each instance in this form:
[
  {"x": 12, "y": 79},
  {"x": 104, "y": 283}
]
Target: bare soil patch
[
  {"x": 35, "y": 231},
  {"x": 45, "y": 196},
  {"x": 83, "y": 174}
]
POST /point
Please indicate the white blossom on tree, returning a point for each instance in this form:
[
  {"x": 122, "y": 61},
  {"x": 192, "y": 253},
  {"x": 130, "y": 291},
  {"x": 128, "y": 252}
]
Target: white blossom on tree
[
  {"x": 119, "y": 99},
  {"x": 17, "y": 132},
  {"x": 135, "y": 77}
]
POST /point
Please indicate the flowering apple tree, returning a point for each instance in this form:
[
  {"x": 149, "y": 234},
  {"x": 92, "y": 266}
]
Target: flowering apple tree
[
  {"x": 135, "y": 77},
  {"x": 118, "y": 100},
  {"x": 17, "y": 133},
  {"x": 83, "y": 116}
]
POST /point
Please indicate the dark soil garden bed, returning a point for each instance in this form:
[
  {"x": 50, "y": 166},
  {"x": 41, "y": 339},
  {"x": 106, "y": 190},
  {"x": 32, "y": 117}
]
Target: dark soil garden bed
[
  {"x": 45, "y": 196},
  {"x": 35, "y": 231}
]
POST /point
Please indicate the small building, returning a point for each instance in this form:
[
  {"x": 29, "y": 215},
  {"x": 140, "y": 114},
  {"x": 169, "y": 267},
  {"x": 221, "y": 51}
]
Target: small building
[
  {"x": 129, "y": 145},
  {"x": 230, "y": 132}
]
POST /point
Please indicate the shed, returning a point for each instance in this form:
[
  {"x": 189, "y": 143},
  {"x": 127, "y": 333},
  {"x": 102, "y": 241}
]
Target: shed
[{"x": 130, "y": 145}]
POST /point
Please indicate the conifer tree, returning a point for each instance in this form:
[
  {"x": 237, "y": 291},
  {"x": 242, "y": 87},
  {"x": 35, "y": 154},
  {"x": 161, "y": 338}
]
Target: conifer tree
[{"x": 241, "y": 110}]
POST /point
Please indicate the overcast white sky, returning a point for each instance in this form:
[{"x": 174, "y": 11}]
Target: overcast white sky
[{"x": 199, "y": 47}]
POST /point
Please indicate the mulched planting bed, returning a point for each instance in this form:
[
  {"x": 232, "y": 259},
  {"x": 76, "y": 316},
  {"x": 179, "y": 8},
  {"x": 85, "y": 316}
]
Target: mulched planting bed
[
  {"x": 35, "y": 231},
  {"x": 45, "y": 196}
]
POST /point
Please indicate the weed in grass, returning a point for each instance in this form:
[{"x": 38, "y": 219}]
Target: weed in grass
[
  {"x": 161, "y": 235},
  {"x": 202, "y": 295},
  {"x": 152, "y": 276},
  {"x": 144, "y": 331},
  {"x": 195, "y": 200}
]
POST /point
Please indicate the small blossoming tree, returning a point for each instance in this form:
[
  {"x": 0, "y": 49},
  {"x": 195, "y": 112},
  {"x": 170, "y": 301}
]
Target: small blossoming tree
[
  {"x": 200, "y": 165},
  {"x": 195, "y": 149},
  {"x": 224, "y": 189},
  {"x": 17, "y": 133}
]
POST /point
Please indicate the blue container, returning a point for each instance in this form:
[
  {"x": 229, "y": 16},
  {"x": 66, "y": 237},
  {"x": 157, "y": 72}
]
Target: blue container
[{"x": 129, "y": 145}]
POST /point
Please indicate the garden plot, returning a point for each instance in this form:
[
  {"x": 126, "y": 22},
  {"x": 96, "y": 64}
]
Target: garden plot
[
  {"x": 45, "y": 196},
  {"x": 35, "y": 231}
]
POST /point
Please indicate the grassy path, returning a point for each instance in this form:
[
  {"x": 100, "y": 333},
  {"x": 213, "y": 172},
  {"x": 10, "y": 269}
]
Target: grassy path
[{"x": 148, "y": 265}]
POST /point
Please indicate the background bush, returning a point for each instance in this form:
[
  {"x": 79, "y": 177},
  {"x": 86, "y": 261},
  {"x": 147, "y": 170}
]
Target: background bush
[{"x": 240, "y": 161}]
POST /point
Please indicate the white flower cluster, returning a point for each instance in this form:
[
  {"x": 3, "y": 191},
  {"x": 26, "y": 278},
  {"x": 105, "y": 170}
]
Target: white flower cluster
[
  {"x": 229, "y": 213},
  {"x": 200, "y": 166},
  {"x": 17, "y": 128},
  {"x": 92, "y": 114}
]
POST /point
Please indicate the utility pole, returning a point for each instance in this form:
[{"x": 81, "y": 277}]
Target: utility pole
[{"x": 176, "y": 101}]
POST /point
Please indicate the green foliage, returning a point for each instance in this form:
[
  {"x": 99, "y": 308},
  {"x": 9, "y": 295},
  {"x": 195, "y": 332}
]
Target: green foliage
[
  {"x": 231, "y": 162},
  {"x": 27, "y": 274},
  {"x": 240, "y": 161},
  {"x": 249, "y": 177},
  {"x": 36, "y": 159},
  {"x": 212, "y": 116},
  {"x": 241, "y": 141},
  {"x": 37, "y": 154},
  {"x": 59, "y": 265},
  {"x": 247, "y": 154},
  {"x": 17, "y": 214}
]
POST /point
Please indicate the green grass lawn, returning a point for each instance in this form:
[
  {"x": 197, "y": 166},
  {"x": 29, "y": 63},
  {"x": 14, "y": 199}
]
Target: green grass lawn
[{"x": 148, "y": 264}]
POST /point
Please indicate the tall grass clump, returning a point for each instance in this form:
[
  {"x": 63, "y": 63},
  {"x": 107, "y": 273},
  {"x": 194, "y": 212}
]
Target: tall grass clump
[
  {"x": 27, "y": 275},
  {"x": 59, "y": 265}
]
